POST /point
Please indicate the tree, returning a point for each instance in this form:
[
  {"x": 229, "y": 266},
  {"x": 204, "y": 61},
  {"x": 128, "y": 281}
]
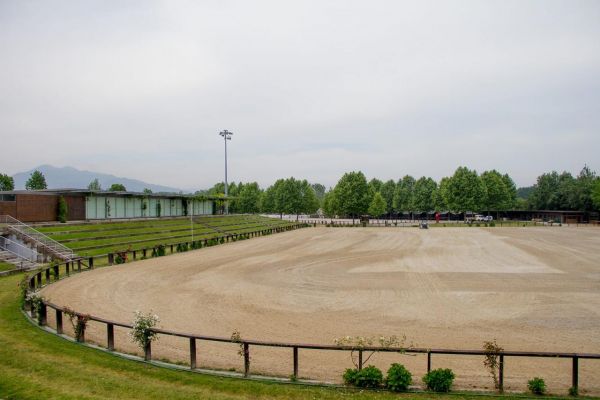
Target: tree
[
  {"x": 596, "y": 193},
  {"x": 498, "y": 196},
  {"x": 543, "y": 196},
  {"x": 352, "y": 194},
  {"x": 147, "y": 191},
  {"x": 375, "y": 185},
  {"x": 377, "y": 206},
  {"x": 117, "y": 187},
  {"x": 249, "y": 198},
  {"x": 441, "y": 196},
  {"x": 404, "y": 195},
  {"x": 319, "y": 191},
  {"x": 512, "y": 191},
  {"x": 583, "y": 191},
  {"x": 6, "y": 183},
  {"x": 330, "y": 206},
  {"x": 465, "y": 191},
  {"x": 387, "y": 191},
  {"x": 424, "y": 194},
  {"x": 95, "y": 185},
  {"x": 36, "y": 181}
]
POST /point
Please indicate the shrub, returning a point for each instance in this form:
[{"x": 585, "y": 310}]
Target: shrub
[
  {"x": 141, "y": 333},
  {"x": 78, "y": 322},
  {"x": 62, "y": 209},
  {"x": 36, "y": 306},
  {"x": 537, "y": 386},
  {"x": 398, "y": 378},
  {"x": 350, "y": 376},
  {"x": 492, "y": 224},
  {"x": 369, "y": 377},
  {"x": 492, "y": 360},
  {"x": 573, "y": 391},
  {"x": 439, "y": 380}
]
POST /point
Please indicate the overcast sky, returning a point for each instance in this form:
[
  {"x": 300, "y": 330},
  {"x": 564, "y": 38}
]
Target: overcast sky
[{"x": 311, "y": 89}]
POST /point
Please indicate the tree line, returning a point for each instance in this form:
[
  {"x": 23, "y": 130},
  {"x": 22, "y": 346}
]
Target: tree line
[
  {"x": 353, "y": 195},
  {"x": 465, "y": 190}
]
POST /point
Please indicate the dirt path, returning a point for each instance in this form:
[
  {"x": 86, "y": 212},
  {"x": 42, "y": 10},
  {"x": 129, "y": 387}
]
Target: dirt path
[{"x": 535, "y": 289}]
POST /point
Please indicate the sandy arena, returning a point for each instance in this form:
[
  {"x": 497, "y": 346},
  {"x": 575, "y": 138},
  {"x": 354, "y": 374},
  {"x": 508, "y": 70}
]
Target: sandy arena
[{"x": 532, "y": 289}]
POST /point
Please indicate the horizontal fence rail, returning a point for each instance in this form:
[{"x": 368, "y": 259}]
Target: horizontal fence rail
[{"x": 52, "y": 274}]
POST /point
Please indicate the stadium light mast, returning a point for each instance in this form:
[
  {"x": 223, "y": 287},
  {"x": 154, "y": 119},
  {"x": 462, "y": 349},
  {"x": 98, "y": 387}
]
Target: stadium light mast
[{"x": 226, "y": 136}]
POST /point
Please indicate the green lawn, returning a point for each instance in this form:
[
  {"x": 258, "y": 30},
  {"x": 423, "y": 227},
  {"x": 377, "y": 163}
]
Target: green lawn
[
  {"x": 35, "y": 364},
  {"x": 4, "y": 266},
  {"x": 93, "y": 239}
]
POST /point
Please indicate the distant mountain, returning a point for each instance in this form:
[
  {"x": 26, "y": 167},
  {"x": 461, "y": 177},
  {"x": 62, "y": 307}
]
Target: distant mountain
[{"x": 69, "y": 177}]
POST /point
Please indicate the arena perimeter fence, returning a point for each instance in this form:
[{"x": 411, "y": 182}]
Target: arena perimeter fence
[{"x": 52, "y": 274}]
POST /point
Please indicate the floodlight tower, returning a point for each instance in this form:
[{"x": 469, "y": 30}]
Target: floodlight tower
[{"x": 226, "y": 136}]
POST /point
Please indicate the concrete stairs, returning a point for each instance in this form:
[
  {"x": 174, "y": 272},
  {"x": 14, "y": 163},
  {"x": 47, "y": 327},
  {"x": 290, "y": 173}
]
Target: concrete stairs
[
  {"x": 18, "y": 262},
  {"x": 41, "y": 242}
]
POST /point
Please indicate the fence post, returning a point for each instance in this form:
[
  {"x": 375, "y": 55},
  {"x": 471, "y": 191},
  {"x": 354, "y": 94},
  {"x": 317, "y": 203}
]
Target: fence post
[
  {"x": 148, "y": 351},
  {"x": 192, "y": 353},
  {"x": 47, "y": 275},
  {"x": 360, "y": 360},
  {"x": 575, "y": 378},
  {"x": 171, "y": 249},
  {"x": 110, "y": 337},
  {"x": 68, "y": 268},
  {"x": 39, "y": 279},
  {"x": 143, "y": 253},
  {"x": 59, "y": 322},
  {"x": 56, "y": 272},
  {"x": 501, "y": 374},
  {"x": 111, "y": 258},
  {"x": 428, "y": 361},
  {"x": 91, "y": 263},
  {"x": 43, "y": 314},
  {"x": 295, "y": 362},
  {"x": 134, "y": 255},
  {"x": 32, "y": 283},
  {"x": 246, "y": 359}
]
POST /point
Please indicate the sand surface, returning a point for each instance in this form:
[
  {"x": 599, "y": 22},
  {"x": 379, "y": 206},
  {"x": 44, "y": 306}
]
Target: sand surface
[{"x": 531, "y": 289}]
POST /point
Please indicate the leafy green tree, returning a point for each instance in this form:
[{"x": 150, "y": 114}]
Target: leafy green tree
[
  {"x": 387, "y": 191},
  {"x": 269, "y": 203},
  {"x": 465, "y": 191},
  {"x": 498, "y": 196},
  {"x": 583, "y": 192},
  {"x": 319, "y": 191},
  {"x": 596, "y": 193},
  {"x": 424, "y": 194},
  {"x": 544, "y": 193},
  {"x": 6, "y": 183},
  {"x": 37, "y": 181},
  {"x": 404, "y": 195},
  {"x": 352, "y": 194},
  {"x": 375, "y": 185},
  {"x": 330, "y": 206},
  {"x": 377, "y": 206},
  {"x": 249, "y": 198},
  {"x": 512, "y": 191},
  {"x": 147, "y": 191},
  {"x": 117, "y": 187},
  {"x": 95, "y": 185}
]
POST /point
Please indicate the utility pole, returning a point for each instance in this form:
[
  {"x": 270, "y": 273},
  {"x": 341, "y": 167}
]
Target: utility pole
[{"x": 226, "y": 136}]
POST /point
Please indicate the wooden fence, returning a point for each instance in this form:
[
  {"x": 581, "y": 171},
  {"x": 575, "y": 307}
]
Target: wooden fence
[{"x": 52, "y": 274}]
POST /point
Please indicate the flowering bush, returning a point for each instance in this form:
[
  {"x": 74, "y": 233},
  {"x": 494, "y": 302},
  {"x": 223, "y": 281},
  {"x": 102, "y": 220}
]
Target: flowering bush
[
  {"x": 78, "y": 322},
  {"x": 142, "y": 333},
  {"x": 36, "y": 306}
]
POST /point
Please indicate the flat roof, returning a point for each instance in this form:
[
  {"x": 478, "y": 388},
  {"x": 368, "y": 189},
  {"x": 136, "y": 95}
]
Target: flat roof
[{"x": 87, "y": 192}]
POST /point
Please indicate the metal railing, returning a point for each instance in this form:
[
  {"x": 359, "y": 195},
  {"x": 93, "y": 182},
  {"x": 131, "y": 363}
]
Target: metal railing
[
  {"x": 18, "y": 250},
  {"x": 13, "y": 225}
]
